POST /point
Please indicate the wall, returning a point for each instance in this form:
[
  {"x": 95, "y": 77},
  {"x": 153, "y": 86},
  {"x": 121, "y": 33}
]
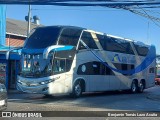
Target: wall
[{"x": 14, "y": 41}]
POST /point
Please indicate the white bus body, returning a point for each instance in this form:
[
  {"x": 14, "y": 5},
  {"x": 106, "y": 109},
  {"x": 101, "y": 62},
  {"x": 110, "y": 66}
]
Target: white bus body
[{"x": 80, "y": 60}]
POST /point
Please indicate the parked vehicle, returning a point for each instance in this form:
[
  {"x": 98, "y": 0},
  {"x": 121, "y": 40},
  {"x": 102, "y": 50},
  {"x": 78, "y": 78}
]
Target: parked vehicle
[
  {"x": 157, "y": 80},
  {"x": 72, "y": 60},
  {"x": 3, "y": 97}
]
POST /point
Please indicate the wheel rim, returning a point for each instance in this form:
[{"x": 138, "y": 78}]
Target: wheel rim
[
  {"x": 134, "y": 87},
  {"x": 141, "y": 87},
  {"x": 78, "y": 90}
]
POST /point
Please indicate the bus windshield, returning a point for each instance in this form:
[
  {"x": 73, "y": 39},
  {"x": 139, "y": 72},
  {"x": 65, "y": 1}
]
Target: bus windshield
[
  {"x": 35, "y": 66},
  {"x": 42, "y": 37}
]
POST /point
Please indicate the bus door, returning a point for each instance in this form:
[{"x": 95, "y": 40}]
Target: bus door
[{"x": 59, "y": 73}]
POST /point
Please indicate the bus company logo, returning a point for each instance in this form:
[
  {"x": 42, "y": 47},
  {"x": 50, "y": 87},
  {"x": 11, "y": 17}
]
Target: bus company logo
[
  {"x": 6, "y": 114},
  {"x": 116, "y": 58},
  {"x": 124, "y": 59},
  {"x": 132, "y": 60}
]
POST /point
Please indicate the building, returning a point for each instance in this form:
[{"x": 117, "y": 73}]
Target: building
[
  {"x": 16, "y": 31},
  {"x": 9, "y": 66}
]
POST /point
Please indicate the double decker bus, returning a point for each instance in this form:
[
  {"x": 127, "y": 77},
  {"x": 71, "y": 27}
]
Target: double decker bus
[{"x": 72, "y": 60}]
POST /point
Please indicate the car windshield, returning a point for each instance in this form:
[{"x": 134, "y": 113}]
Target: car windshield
[
  {"x": 42, "y": 37},
  {"x": 157, "y": 76},
  {"x": 158, "y": 71}
]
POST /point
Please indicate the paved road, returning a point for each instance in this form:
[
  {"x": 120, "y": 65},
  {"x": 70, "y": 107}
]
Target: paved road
[
  {"x": 148, "y": 101},
  {"x": 104, "y": 101}
]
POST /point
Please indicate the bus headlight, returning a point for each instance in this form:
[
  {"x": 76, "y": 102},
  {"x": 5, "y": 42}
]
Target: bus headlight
[
  {"x": 18, "y": 80},
  {"x": 46, "y": 82},
  {"x": 43, "y": 82}
]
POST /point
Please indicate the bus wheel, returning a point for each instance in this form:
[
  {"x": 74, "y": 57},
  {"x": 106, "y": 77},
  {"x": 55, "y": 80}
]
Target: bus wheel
[
  {"x": 48, "y": 96},
  {"x": 141, "y": 87},
  {"x": 77, "y": 89},
  {"x": 134, "y": 87}
]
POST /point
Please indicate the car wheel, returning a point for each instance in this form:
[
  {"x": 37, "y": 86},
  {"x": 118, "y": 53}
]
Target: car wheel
[{"x": 156, "y": 83}]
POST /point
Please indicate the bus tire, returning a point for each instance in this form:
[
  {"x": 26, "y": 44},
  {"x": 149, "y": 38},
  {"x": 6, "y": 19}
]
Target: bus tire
[
  {"x": 77, "y": 89},
  {"x": 48, "y": 95},
  {"x": 141, "y": 86},
  {"x": 134, "y": 87}
]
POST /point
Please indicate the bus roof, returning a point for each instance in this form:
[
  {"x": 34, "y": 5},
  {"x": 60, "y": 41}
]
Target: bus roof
[
  {"x": 62, "y": 26},
  {"x": 121, "y": 38},
  {"x": 117, "y": 37}
]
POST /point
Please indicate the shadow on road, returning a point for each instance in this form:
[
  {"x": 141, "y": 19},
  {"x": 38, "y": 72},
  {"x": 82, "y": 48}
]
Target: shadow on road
[
  {"x": 40, "y": 98},
  {"x": 115, "y": 100}
]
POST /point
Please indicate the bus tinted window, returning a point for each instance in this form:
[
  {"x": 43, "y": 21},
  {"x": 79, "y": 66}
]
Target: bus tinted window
[
  {"x": 124, "y": 67},
  {"x": 102, "y": 40},
  {"x": 115, "y": 45},
  {"x": 141, "y": 50},
  {"x": 59, "y": 66},
  {"x": 95, "y": 68},
  {"x": 69, "y": 36},
  {"x": 88, "y": 40},
  {"x": 42, "y": 38}
]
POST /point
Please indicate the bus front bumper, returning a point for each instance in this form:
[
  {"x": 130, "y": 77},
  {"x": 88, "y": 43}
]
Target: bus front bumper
[{"x": 41, "y": 89}]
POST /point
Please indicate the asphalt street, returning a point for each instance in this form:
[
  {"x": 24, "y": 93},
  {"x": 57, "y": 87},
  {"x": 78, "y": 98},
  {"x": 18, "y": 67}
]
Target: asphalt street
[
  {"x": 99, "y": 101},
  {"x": 119, "y": 100}
]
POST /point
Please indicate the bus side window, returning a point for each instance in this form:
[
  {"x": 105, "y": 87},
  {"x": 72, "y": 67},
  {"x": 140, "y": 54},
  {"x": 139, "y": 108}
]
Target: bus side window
[
  {"x": 152, "y": 70},
  {"x": 102, "y": 40},
  {"x": 59, "y": 66},
  {"x": 88, "y": 40},
  {"x": 141, "y": 50},
  {"x": 68, "y": 64},
  {"x": 69, "y": 36},
  {"x": 81, "y": 46}
]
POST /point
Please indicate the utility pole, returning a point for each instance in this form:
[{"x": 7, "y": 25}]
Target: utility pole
[{"x": 29, "y": 20}]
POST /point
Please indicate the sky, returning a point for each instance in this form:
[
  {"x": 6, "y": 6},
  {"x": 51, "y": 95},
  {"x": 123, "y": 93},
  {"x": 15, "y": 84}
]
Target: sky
[{"x": 116, "y": 22}]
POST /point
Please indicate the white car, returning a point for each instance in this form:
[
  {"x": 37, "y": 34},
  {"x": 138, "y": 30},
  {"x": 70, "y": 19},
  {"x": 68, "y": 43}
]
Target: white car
[{"x": 3, "y": 97}]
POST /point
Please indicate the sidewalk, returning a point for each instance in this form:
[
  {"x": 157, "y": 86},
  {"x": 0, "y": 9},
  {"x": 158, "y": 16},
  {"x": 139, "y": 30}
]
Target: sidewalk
[{"x": 156, "y": 95}]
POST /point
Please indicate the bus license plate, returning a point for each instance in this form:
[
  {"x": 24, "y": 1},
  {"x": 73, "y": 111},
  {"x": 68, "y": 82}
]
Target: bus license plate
[{"x": 2, "y": 102}]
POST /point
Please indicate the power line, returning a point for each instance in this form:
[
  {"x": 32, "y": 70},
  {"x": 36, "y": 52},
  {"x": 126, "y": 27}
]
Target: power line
[
  {"x": 130, "y": 5},
  {"x": 145, "y": 14},
  {"x": 102, "y": 3},
  {"x": 75, "y": 9}
]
